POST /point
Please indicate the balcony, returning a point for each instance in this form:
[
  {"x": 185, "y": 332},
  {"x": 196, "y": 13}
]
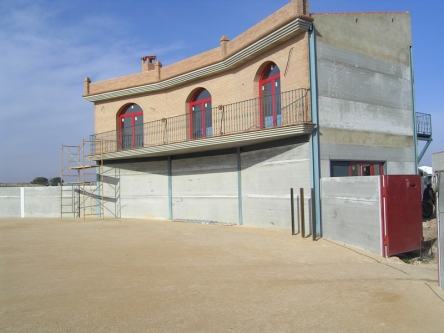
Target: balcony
[
  {"x": 225, "y": 126},
  {"x": 423, "y": 125}
]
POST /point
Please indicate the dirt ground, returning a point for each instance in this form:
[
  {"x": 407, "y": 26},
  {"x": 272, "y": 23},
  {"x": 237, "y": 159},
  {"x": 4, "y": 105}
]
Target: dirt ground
[
  {"x": 429, "y": 254},
  {"x": 160, "y": 276}
]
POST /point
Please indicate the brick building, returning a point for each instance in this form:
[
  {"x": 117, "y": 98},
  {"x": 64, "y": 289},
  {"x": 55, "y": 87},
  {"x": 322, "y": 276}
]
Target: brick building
[{"x": 224, "y": 135}]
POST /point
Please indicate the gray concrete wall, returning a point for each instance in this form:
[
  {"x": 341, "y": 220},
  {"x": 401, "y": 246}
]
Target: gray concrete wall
[
  {"x": 379, "y": 35},
  {"x": 31, "y": 201},
  {"x": 42, "y": 201},
  {"x": 112, "y": 191},
  {"x": 136, "y": 189},
  {"x": 206, "y": 188},
  {"x": 267, "y": 176},
  {"x": 438, "y": 162},
  {"x": 440, "y": 220},
  {"x": 402, "y": 159},
  {"x": 10, "y": 201},
  {"x": 351, "y": 211},
  {"x": 365, "y": 104}
]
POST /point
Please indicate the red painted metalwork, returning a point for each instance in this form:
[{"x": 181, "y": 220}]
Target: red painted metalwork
[
  {"x": 200, "y": 102},
  {"x": 132, "y": 116},
  {"x": 401, "y": 214},
  {"x": 263, "y": 81},
  {"x": 378, "y": 165}
]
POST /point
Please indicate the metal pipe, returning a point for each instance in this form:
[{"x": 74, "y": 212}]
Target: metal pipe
[
  {"x": 313, "y": 215},
  {"x": 297, "y": 214},
  {"x": 314, "y": 138},
  {"x": 302, "y": 213},
  {"x": 415, "y": 134},
  {"x": 292, "y": 211}
]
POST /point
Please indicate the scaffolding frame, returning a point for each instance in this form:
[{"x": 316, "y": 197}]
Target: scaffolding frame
[{"x": 81, "y": 191}]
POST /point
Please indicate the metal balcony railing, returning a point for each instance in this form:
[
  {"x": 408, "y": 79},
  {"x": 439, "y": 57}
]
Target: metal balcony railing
[
  {"x": 287, "y": 108},
  {"x": 423, "y": 125}
]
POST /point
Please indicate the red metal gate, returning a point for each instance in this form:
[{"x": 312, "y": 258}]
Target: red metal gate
[{"x": 401, "y": 214}]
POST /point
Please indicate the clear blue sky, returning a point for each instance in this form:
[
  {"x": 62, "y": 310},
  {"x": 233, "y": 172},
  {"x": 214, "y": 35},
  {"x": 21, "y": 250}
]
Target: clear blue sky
[{"x": 48, "y": 47}]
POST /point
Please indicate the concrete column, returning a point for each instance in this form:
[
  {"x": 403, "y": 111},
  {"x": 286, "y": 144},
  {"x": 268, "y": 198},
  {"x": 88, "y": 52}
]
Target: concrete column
[
  {"x": 170, "y": 190},
  {"x": 239, "y": 185}
]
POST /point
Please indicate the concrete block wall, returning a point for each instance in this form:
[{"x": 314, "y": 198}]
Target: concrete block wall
[
  {"x": 136, "y": 189},
  {"x": 351, "y": 211},
  {"x": 440, "y": 221},
  {"x": 364, "y": 81},
  {"x": 11, "y": 201},
  {"x": 42, "y": 201},
  {"x": 31, "y": 201},
  {"x": 206, "y": 188},
  {"x": 438, "y": 162},
  {"x": 267, "y": 176}
]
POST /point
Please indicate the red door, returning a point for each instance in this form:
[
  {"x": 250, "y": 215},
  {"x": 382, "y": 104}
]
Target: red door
[{"x": 401, "y": 214}]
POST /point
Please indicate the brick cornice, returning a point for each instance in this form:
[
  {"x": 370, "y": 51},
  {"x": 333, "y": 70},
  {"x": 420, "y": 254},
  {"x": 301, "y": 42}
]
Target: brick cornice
[{"x": 295, "y": 27}]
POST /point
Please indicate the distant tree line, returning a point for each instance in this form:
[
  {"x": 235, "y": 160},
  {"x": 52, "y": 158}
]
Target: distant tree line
[{"x": 56, "y": 181}]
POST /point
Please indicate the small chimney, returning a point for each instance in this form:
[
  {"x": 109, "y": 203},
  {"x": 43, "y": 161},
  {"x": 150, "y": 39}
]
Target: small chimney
[
  {"x": 86, "y": 83},
  {"x": 224, "y": 46},
  {"x": 148, "y": 63},
  {"x": 158, "y": 66}
]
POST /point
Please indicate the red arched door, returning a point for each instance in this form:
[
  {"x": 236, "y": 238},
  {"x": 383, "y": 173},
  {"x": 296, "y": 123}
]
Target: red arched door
[
  {"x": 201, "y": 119},
  {"x": 270, "y": 93},
  {"x": 131, "y": 127}
]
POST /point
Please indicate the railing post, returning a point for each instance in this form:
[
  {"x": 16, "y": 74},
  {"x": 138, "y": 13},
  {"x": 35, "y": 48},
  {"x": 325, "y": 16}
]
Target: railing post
[
  {"x": 234, "y": 118},
  {"x": 302, "y": 213}
]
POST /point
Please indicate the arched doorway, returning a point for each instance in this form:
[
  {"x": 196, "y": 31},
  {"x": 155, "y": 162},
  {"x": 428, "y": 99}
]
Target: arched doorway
[
  {"x": 270, "y": 94},
  {"x": 201, "y": 118},
  {"x": 131, "y": 127}
]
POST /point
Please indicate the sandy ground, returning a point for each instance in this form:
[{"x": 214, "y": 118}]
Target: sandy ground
[{"x": 161, "y": 276}]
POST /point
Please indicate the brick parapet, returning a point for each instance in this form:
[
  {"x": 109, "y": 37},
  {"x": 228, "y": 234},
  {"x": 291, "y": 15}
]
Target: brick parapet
[{"x": 234, "y": 85}]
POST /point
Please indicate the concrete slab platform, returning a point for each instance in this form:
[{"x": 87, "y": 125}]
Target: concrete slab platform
[{"x": 133, "y": 275}]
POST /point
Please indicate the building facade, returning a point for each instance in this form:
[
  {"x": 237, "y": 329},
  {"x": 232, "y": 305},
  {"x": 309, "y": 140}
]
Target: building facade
[
  {"x": 438, "y": 162},
  {"x": 224, "y": 135}
]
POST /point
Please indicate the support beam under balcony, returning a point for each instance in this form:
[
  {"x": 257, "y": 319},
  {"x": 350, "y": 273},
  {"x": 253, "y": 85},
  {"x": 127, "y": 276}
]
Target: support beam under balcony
[{"x": 212, "y": 143}]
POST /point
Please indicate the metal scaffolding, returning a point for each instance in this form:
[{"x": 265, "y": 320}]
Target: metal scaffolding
[{"x": 81, "y": 193}]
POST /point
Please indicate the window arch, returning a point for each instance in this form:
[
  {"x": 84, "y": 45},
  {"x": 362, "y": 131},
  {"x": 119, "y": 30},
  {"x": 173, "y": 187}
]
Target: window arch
[
  {"x": 201, "y": 118},
  {"x": 270, "y": 94},
  {"x": 131, "y": 127}
]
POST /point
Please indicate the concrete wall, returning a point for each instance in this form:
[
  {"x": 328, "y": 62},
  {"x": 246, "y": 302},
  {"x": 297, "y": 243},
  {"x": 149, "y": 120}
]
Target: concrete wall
[
  {"x": 31, "y": 201},
  {"x": 365, "y": 109},
  {"x": 136, "y": 189},
  {"x": 206, "y": 188},
  {"x": 10, "y": 201},
  {"x": 42, "y": 201},
  {"x": 438, "y": 162},
  {"x": 267, "y": 176},
  {"x": 440, "y": 220},
  {"x": 351, "y": 211}
]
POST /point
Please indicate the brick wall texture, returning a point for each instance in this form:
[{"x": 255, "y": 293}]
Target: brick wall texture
[{"x": 234, "y": 85}]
